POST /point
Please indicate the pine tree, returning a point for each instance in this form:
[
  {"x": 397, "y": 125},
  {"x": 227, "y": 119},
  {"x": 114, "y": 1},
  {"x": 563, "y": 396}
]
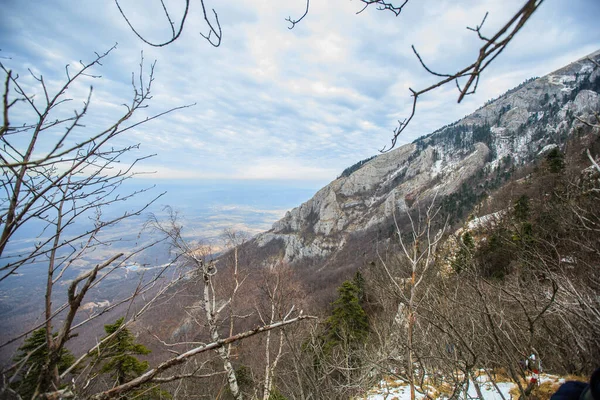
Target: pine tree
[
  {"x": 555, "y": 160},
  {"x": 33, "y": 354},
  {"x": 464, "y": 256},
  {"x": 521, "y": 208},
  {"x": 348, "y": 324},
  {"x": 119, "y": 353},
  {"x": 359, "y": 281},
  {"x": 524, "y": 232}
]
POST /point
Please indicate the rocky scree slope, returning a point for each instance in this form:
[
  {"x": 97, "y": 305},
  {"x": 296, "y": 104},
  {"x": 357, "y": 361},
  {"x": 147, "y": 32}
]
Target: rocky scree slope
[{"x": 515, "y": 128}]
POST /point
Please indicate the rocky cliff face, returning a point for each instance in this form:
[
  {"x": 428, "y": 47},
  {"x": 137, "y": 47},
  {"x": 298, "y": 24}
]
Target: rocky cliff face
[{"x": 515, "y": 128}]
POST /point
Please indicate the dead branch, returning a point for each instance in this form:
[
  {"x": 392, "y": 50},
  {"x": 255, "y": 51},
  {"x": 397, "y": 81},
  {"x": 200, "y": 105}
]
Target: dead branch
[
  {"x": 63, "y": 182},
  {"x": 214, "y": 35},
  {"x": 487, "y": 53},
  {"x": 151, "y": 374},
  {"x": 293, "y": 22},
  {"x": 383, "y": 5}
]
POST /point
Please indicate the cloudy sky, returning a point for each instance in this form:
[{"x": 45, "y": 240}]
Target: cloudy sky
[{"x": 274, "y": 103}]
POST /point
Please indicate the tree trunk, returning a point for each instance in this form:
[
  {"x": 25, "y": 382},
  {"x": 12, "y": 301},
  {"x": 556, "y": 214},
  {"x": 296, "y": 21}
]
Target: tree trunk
[{"x": 209, "y": 308}]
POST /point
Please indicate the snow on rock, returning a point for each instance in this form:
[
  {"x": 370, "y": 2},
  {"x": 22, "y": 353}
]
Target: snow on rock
[
  {"x": 547, "y": 148},
  {"x": 483, "y": 221},
  {"x": 561, "y": 79},
  {"x": 90, "y": 306}
]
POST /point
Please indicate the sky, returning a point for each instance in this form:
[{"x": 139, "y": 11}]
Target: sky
[{"x": 277, "y": 104}]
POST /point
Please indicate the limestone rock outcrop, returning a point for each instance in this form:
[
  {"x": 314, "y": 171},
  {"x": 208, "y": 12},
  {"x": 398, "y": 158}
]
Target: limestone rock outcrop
[{"x": 539, "y": 113}]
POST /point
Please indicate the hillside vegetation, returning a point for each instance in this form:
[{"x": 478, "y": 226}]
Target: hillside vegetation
[
  {"x": 475, "y": 247},
  {"x": 437, "y": 266}
]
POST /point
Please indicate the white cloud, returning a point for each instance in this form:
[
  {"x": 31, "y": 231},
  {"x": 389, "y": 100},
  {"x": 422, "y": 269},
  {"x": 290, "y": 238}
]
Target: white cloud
[
  {"x": 278, "y": 104},
  {"x": 279, "y": 168}
]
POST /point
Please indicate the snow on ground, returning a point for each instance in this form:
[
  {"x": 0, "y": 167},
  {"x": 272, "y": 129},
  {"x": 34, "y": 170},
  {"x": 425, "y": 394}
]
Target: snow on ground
[{"x": 399, "y": 390}]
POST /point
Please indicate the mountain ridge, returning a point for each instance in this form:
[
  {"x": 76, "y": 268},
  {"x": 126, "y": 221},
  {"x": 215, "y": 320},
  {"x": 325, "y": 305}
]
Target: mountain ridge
[{"x": 510, "y": 130}]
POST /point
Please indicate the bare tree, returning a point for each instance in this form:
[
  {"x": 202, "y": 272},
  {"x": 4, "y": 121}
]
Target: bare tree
[
  {"x": 218, "y": 306},
  {"x": 151, "y": 375},
  {"x": 197, "y": 256},
  {"x": 56, "y": 174},
  {"x": 63, "y": 183},
  {"x": 419, "y": 253},
  {"x": 281, "y": 294}
]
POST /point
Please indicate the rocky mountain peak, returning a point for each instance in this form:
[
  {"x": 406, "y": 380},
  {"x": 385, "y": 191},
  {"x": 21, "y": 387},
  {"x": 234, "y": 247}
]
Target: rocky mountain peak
[{"x": 511, "y": 129}]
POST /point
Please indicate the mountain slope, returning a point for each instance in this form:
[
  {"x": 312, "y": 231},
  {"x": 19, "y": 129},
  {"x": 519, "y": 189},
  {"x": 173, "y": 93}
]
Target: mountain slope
[
  {"x": 507, "y": 132},
  {"x": 341, "y": 227}
]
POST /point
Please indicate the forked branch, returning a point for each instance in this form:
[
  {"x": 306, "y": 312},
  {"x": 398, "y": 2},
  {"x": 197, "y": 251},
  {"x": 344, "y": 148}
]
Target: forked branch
[
  {"x": 491, "y": 49},
  {"x": 214, "y": 35},
  {"x": 152, "y": 374}
]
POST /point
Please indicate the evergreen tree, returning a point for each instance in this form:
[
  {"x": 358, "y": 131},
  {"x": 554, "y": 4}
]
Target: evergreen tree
[
  {"x": 119, "y": 353},
  {"x": 359, "y": 281},
  {"x": 118, "y": 358},
  {"x": 521, "y": 208},
  {"x": 348, "y": 324},
  {"x": 464, "y": 256},
  {"x": 33, "y": 354},
  {"x": 524, "y": 232},
  {"x": 555, "y": 160}
]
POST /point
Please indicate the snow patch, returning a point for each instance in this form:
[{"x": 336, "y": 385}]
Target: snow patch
[
  {"x": 585, "y": 68},
  {"x": 401, "y": 391},
  {"x": 561, "y": 79},
  {"x": 540, "y": 115},
  {"x": 437, "y": 168},
  {"x": 486, "y": 220},
  {"x": 547, "y": 148}
]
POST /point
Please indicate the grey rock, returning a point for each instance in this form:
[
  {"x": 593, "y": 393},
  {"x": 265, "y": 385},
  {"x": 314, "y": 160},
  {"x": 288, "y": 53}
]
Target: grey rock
[{"x": 524, "y": 123}]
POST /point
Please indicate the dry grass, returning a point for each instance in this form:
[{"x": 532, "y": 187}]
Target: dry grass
[
  {"x": 445, "y": 389},
  {"x": 514, "y": 392},
  {"x": 501, "y": 375},
  {"x": 542, "y": 392},
  {"x": 578, "y": 378},
  {"x": 546, "y": 390},
  {"x": 392, "y": 382}
]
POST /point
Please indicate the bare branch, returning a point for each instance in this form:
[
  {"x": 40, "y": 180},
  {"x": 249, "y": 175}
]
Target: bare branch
[
  {"x": 383, "y": 5},
  {"x": 487, "y": 53},
  {"x": 152, "y": 374},
  {"x": 176, "y": 33},
  {"x": 293, "y": 22}
]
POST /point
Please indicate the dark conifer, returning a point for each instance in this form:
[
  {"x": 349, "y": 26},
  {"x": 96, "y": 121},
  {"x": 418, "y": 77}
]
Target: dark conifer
[{"x": 33, "y": 353}]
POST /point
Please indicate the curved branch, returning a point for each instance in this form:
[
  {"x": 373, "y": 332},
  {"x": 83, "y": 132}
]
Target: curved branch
[
  {"x": 487, "y": 53},
  {"x": 175, "y": 33},
  {"x": 295, "y": 21},
  {"x": 212, "y": 30},
  {"x": 152, "y": 374}
]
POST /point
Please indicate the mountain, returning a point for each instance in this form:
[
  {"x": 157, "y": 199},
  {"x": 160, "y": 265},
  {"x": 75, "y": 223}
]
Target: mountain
[
  {"x": 350, "y": 223},
  {"x": 459, "y": 163}
]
